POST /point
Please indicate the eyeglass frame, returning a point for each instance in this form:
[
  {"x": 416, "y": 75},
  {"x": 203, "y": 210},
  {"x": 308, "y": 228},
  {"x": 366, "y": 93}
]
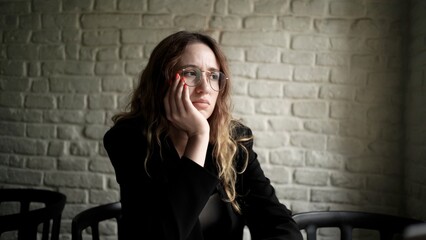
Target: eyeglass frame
[{"x": 208, "y": 76}]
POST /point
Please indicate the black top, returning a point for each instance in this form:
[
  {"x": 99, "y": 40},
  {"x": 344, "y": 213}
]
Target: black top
[{"x": 169, "y": 202}]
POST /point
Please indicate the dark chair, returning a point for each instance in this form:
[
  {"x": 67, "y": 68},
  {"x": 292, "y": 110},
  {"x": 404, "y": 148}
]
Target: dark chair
[
  {"x": 387, "y": 225},
  {"x": 92, "y": 217},
  {"x": 27, "y": 209}
]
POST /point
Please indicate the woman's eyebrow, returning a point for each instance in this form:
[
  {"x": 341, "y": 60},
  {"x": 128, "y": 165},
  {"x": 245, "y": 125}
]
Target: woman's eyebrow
[{"x": 193, "y": 65}]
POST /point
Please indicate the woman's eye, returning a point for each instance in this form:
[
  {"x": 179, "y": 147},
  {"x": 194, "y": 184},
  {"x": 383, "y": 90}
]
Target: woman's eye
[
  {"x": 190, "y": 73},
  {"x": 215, "y": 76}
]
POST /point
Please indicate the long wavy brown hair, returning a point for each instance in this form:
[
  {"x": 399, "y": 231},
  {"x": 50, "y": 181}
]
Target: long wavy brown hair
[{"x": 147, "y": 102}]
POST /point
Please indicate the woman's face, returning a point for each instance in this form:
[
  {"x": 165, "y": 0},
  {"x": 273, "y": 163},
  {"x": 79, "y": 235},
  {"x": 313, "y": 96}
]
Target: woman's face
[{"x": 203, "y": 97}]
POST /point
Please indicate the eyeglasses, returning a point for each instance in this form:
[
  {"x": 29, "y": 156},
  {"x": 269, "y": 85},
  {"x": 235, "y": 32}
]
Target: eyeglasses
[{"x": 192, "y": 76}]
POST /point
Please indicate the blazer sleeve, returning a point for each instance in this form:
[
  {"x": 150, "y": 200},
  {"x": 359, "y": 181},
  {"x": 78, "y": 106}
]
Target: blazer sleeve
[
  {"x": 164, "y": 202},
  {"x": 265, "y": 216}
]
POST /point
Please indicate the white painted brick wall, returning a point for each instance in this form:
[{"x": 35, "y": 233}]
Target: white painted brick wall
[{"x": 322, "y": 83}]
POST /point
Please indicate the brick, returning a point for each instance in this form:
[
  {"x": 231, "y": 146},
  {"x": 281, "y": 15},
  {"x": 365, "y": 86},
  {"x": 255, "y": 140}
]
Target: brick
[
  {"x": 263, "y": 54},
  {"x": 56, "y": 148},
  {"x": 101, "y": 165},
  {"x": 322, "y": 126},
  {"x": 243, "y": 105},
  {"x": 180, "y": 6},
  {"x": 22, "y": 52},
  {"x": 292, "y": 193},
  {"x": 266, "y": 89},
  {"x": 102, "y": 196},
  {"x": 64, "y": 116},
  {"x": 95, "y": 117},
  {"x": 109, "y": 68},
  {"x": 12, "y": 129},
  {"x": 309, "y": 8},
  {"x": 131, "y": 52},
  {"x": 260, "y": 22},
  {"x": 191, "y": 21},
  {"x": 331, "y": 196},
  {"x": 14, "y": 7},
  {"x": 271, "y": 6},
  {"x": 132, "y": 5},
  {"x": 17, "y": 84},
  {"x": 105, "y": 5},
  {"x": 298, "y": 58},
  {"x": 71, "y": 36},
  {"x": 41, "y": 131},
  {"x": 347, "y": 9},
  {"x": 311, "y": 177},
  {"x": 12, "y": 68},
  {"x": 75, "y": 84},
  {"x": 272, "y": 107},
  {"x": 46, "y": 36},
  {"x": 277, "y": 174},
  {"x": 110, "y": 53},
  {"x": 295, "y": 23},
  {"x": 101, "y": 37},
  {"x": 324, "y": 160},
  {"x": 24, "y": 177},
  {"x": 279, "y": 123},
  {"x": 102, "y": 101},
  {"x": 69, "y": 132},
  {"x": 275, "y": 71},
  {"x": 225, "y": 22},
  {"x": 288, "y": 157},
  {"x": 41, "y": 163},
  {"x": 73, "y": 180},
  {"x": 30, "y": 21},
  {"x": 106, "y": 20},
  {"x": 337, "y": 93},
  {"x": 301, "y": 91},
  {"x": 308, "y": 42},
  {"x": 307, "y": 74},
  {"x": 11, "y": 99},
  {"x": 308, "y": 141},
  {"x": 272, "y": 38},
  {"x": 75, "y": 195},
  {"x": 130, "y": 36},
  {"x": 72, "y": 101},
  {"x": 73, "y": 164},
  {"x": 77, "y": 5},
  {"x": 22, "y": 146},
  {"x": 271, "y": 140},
  {"x": 333, "y": 59},
  {"x": 345, "y": 180},
  {"x": 52, "y": 52},
  {"x": 16, "y": 36},
  {"x": 84, "y": 149},
  {"x": 345, "y": 146},
  {"x": 40, "y": 101},
  {"x": 243, "y": 69},
  {"x": 239, "y": 86},
  {"x": 311, "y": 109},
  {"x": 240, "y": 7},
  {"x": 157, "y": 20},
  {"x": 60, "y": 21},
  {"x": 95, "y": 132}
]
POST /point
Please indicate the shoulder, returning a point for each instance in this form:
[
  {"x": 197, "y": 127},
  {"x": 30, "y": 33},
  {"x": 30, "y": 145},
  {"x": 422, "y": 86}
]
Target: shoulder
[
  {"x": 240, "y": 130},
  {"x": 125, "y": 128}
]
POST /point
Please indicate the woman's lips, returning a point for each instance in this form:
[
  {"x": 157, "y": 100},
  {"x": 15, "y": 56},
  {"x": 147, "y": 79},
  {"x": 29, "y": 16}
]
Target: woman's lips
[{"x": 201, "y": 103}]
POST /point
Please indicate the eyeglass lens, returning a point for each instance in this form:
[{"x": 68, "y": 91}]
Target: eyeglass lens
[{"x": 193, "y": 77}]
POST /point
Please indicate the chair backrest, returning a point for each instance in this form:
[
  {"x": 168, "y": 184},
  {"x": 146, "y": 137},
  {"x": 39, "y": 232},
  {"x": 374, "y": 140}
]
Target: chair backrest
[
  {"x": 92, "y": 217},
  {"x": 388, "y": 226},
  {"x": 33, "y": 207}
]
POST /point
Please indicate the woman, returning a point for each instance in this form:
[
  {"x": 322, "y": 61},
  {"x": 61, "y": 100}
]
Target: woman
[{"x": 186, "y": 169}]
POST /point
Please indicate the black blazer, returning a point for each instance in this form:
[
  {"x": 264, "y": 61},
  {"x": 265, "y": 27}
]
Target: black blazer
[{"x": 166, "y": 202}]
